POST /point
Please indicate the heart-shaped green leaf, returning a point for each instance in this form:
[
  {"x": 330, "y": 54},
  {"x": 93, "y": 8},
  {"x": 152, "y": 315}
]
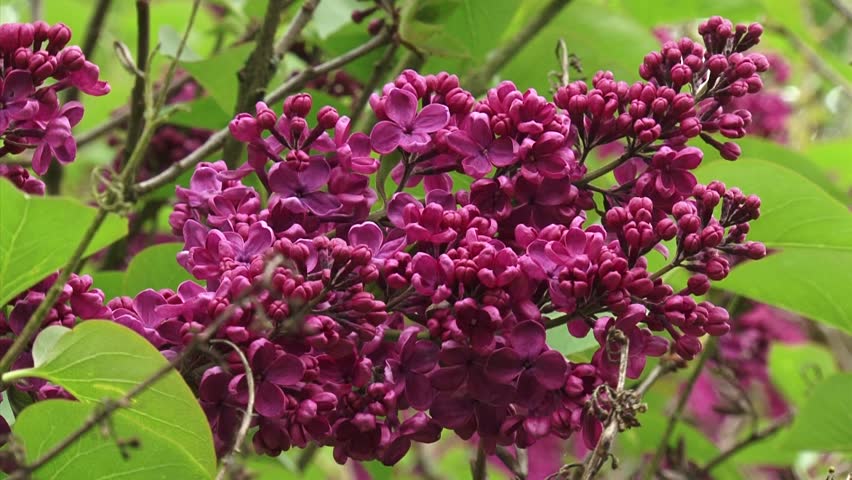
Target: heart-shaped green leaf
[
  {"x": 39, "y": 234},
  {"x": 99, "y": 360}
]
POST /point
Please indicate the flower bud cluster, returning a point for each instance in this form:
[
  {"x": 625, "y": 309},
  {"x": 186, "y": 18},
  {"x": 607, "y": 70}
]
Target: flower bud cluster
[{"x": 35, "y": 64}]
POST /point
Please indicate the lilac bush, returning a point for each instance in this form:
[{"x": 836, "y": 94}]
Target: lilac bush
[{"x": 396, "y": 314}]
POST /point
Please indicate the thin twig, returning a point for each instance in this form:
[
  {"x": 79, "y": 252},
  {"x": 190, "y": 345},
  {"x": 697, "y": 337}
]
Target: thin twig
[
  {"x": 756, "y": 436},
  {"x": 36, "y": 10},
  {"x": 296, "y": 27},
  {"x": 246, "y": 422},
  {"x": 478, "y": 466},
  {"x": 93, "y": 33},
  {"x": 256, "y": 73},
  {"x": 137, "y": 95},
  {"x": 34, "y": 323},
  {"x": 121, "y": 118},
  {"x": 380, "y": 71},
  {"x": 842, "y": 9},
  {"x": 709, "y": 350},
  {"x": 511, "y": 462},
  {"x": 307, "y": 456},
  {"x": 814, "y": 59},
  {"x": 601, "y": 453},
  {"x": 503, "y": 55},
  {"x": 296, "y": 82}
]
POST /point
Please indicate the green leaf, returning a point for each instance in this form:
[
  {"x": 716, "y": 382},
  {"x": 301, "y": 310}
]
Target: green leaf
[
  {"x": 201, "y": 113},
  {"x": 824, "y": 423},
  {"x": 218, "y": 74},
  {"x": 170, "y": 42},
  {"x": 811, "y": 271},
  {"x": 111, "y": 282},
  {"x": 102, "y": 359},
  {"x": 331, "y": 15},
  {"x": 45, "y": 424},
  {"x": 795, "y": 368},
  {"x": 462, "y": 30},
  {"x": 39, "y": 234},
  {"x": 561, "y": 340},
  {"x": 654, "y": 13},
  {"x": 582, "y": 24},
  {"x": 387, "y": 163},
  {"x": 47, "y": 339},
  {"x": 155, "y": 267},
  {"x": 801, "y": 163},
  {"x": 834, "y": 156}
]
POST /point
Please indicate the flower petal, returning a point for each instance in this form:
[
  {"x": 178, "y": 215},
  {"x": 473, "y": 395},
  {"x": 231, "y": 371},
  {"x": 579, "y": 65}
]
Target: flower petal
[
  {"x": 385, "y": 137},
  {"x": 401, "y": 107},
  {"x": 286, "y": 370},
  {"x": 528, "y": 339},
  {"x": 432, "y": 118},
  {"x": 504, "y": 365}
]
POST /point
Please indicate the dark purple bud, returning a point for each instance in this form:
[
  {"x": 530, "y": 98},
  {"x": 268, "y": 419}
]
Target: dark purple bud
[
  {"x": 688, "y": 347},
  {"x": 57, "y": 37},
  {"x": 266, "y": 118},
  {"x": 730, "y": 151},
  {"x": 755, "y": 250},
  {"x": 327, "y": 117},
  {"x": 698, "y": 284},
  {"x": 40, "y": 31},
  {"x": 244, "y": 128},
  {"x": 681, "y": 75},
  {"x": 298, "y": 105}
]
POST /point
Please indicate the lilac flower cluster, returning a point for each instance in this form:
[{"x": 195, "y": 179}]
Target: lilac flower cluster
[
  {"x": 383, "y": 318},
  {"x": 36, "y": 64}
]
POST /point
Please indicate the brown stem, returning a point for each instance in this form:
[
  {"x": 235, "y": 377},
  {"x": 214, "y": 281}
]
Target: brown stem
[
  {"x": 245, "y": 424},
  {"x": 380, "y": 71},
  {"x": 756, "y": 436},
  {"x": 503, "y": 55},
  {"x": 256, "y": 73},
  {"x": 601, "y": 453},
  {"x": 93, "y": 33},
  {"x": 137, "y": 96},
  {"x": 296, "y": 27},
  {"x": 478, "y": 466},
  {"x": 709, "y": 350},
  {"x": 296, "y": 82}
]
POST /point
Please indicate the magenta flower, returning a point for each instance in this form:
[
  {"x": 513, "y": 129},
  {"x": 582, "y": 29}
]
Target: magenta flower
[
  {"x": 299, "y": 189},
  {"x": 479, "y": 322},
  {"x": 142, "y": 318},
  {"x": 371, "y": 236},
  {"x": 16, "y": 100},
  {"x": 407, "y": 128},
  {"x": 642, "y": 343},
  {"x": 58, "y": 142},
  {"x": 206, "y": 261},
  {"x": 274, "y": 370},
  {"x": 222, "y": 413},
  {"x": 529, "y": 358},
  {"x": 479, "y": 147},
  {"x": 416, "y": 359}
]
